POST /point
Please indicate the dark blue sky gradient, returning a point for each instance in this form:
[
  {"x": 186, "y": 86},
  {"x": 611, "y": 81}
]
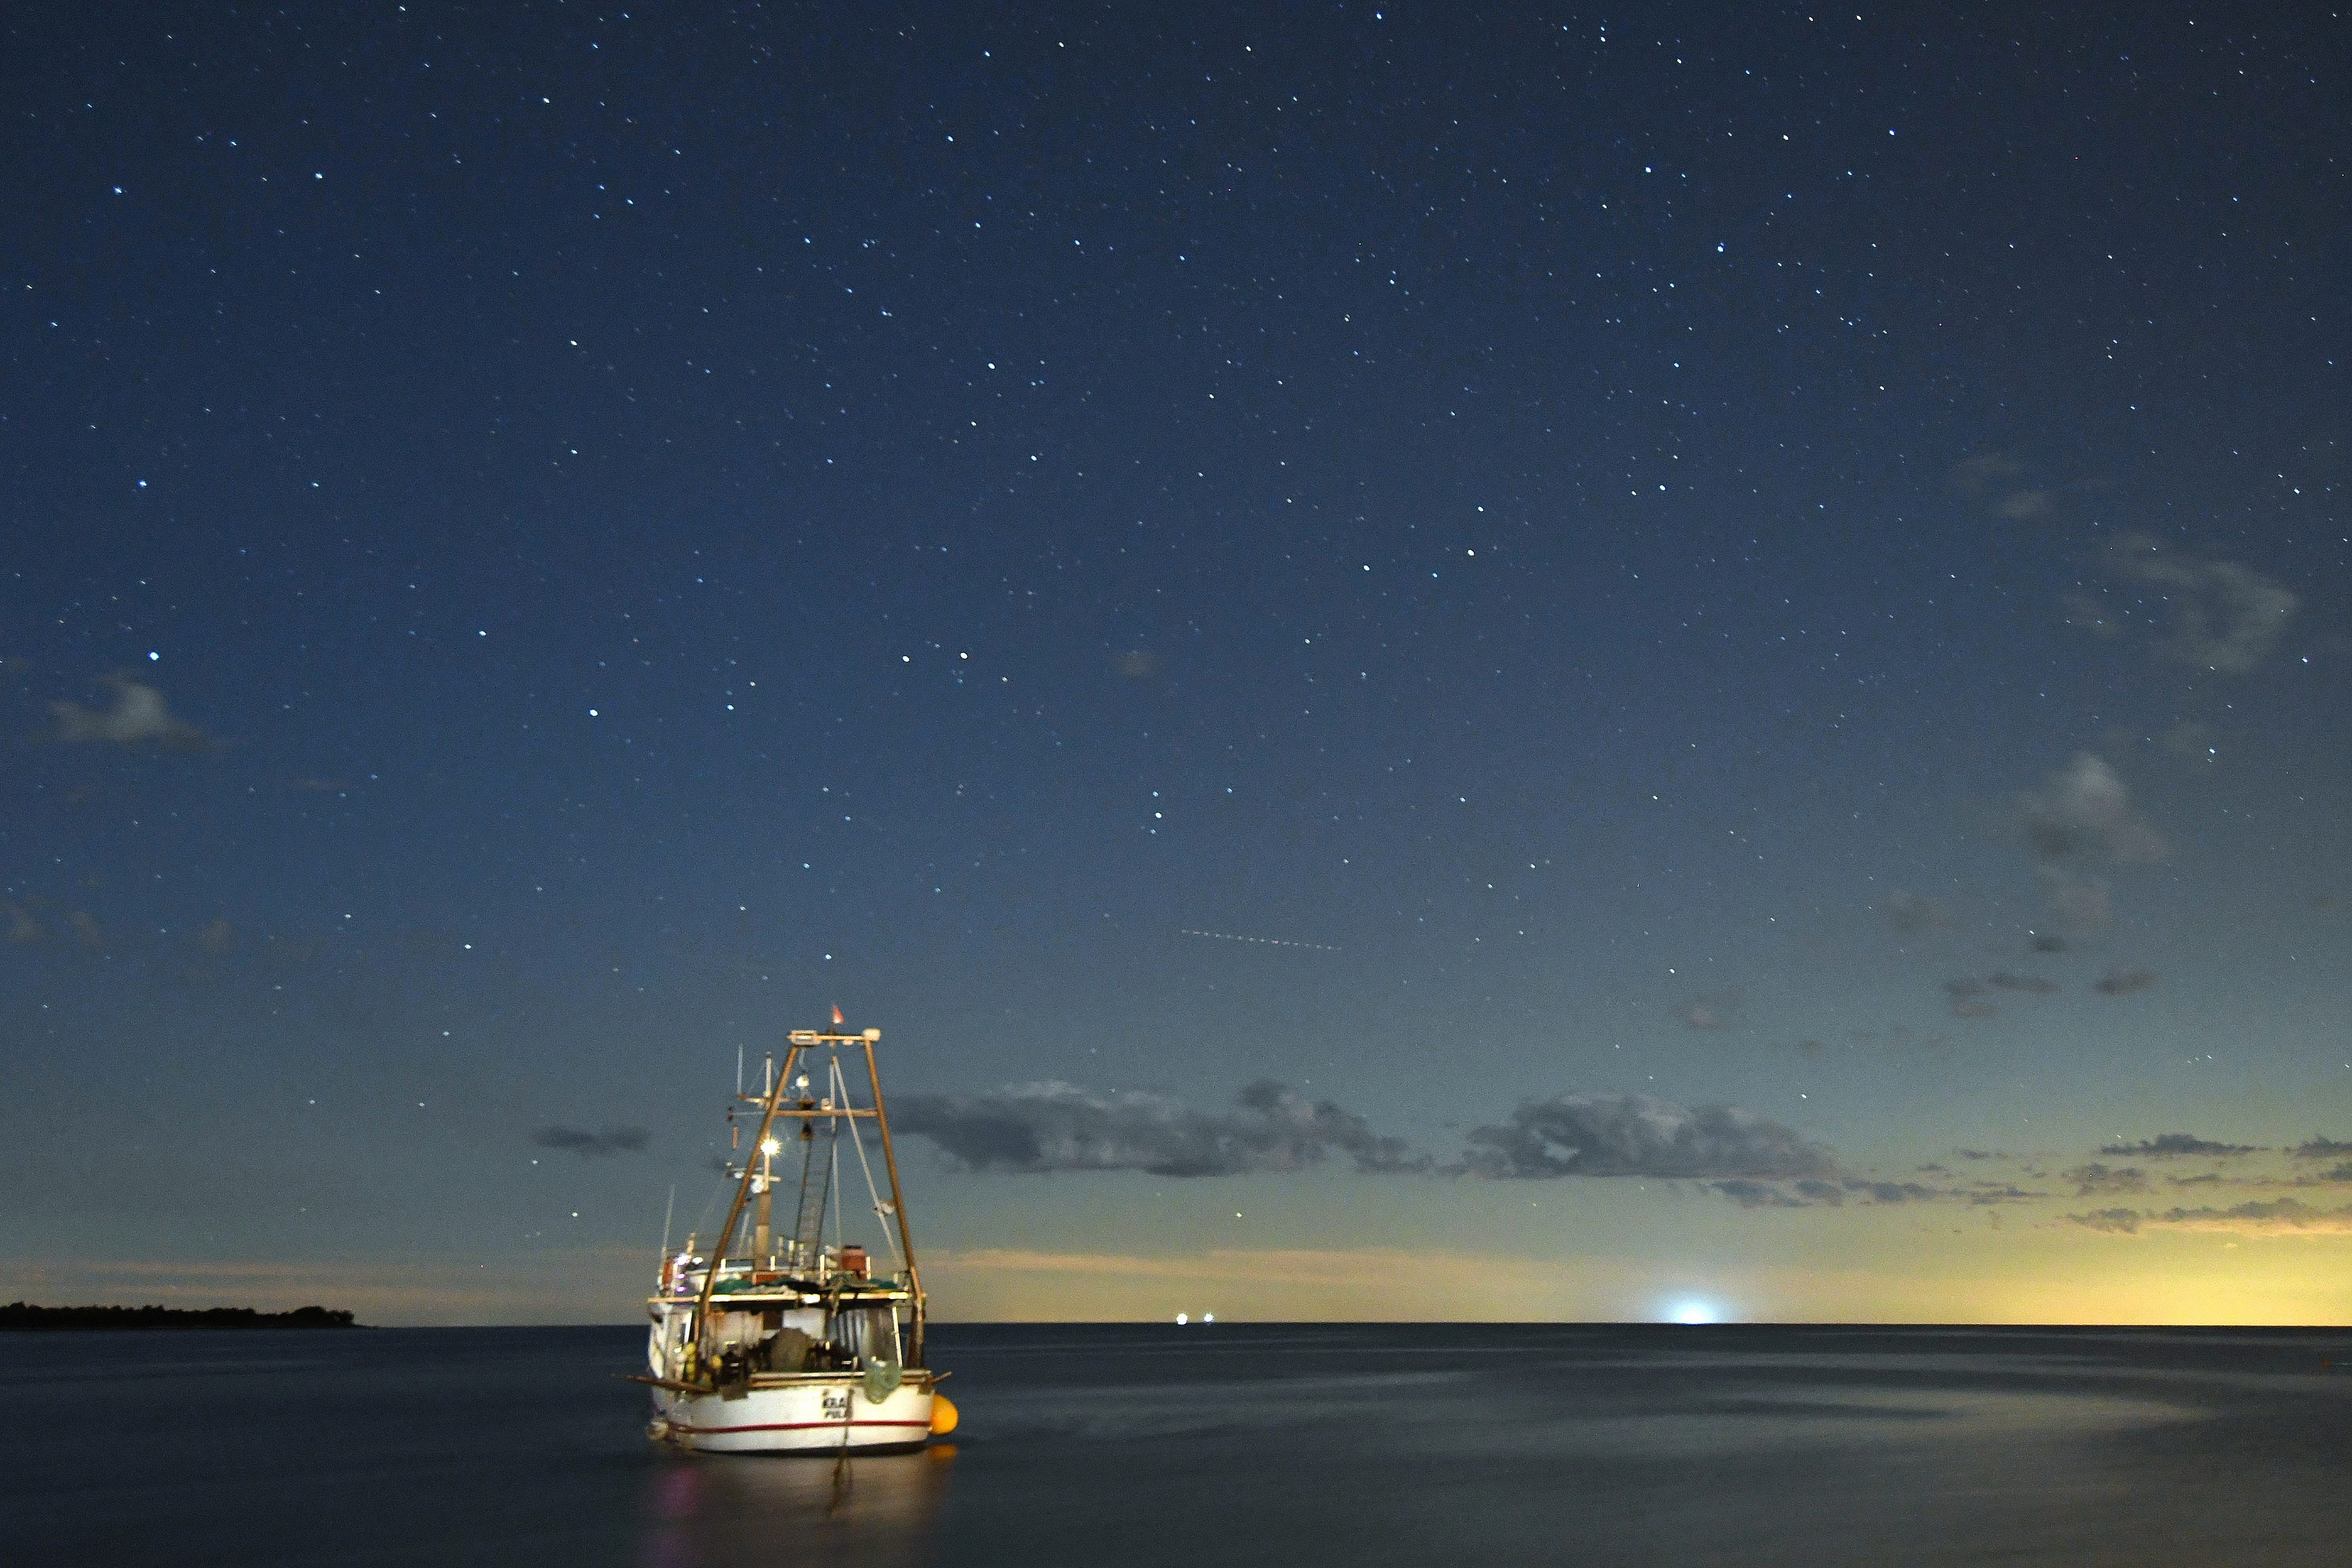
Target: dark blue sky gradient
[{"x": 669, "y": 520}]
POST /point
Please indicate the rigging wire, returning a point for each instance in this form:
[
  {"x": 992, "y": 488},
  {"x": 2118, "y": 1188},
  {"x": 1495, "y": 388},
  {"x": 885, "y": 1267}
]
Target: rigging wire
[{"x": 881, "y": 1210}]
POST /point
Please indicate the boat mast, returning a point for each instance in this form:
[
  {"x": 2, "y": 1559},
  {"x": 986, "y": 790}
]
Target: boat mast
[
  {"x": 742, "y": 1193},
  {"x": 897, "y": 1203}
]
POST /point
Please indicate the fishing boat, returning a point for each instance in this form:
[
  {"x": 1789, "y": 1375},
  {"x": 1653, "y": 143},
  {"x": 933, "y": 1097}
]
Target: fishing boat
[{"x": 778, "y": 1340}]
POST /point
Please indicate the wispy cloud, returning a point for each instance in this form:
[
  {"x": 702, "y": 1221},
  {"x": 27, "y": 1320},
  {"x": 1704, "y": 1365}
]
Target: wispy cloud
[
  {"x": 2123, "y": 980},
  {"x": 1598, "y": 1135},
  {"x": 1813, "y": 1192},
  {"x": 2084, "y": 812},
  {"x": 2026, "y": 985},
  {"x": 137, "y": 718},
  {"x": 2260, "y": 1217},
  {"x": 1965, "y": 998},
  {"x": 2218, "y": 614},
  {"x": 2078, "y": 823},
  {"x": 2177, "y": 1145},
  {"x": 1714, "y": 1011},
  {"x": 592, "y": 1145},
  {"x": 2096, "y": 1178},
  {"x": 86, "y": 930},
  {"x": 1983, "y": 471},
  {"x": 1912, "y": 913},
  {"x": 2320, "y": 1148},
  {"x": 1055, "y": 1126}
]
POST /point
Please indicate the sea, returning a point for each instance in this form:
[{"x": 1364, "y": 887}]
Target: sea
[{"x": 1207, "y": 1445}]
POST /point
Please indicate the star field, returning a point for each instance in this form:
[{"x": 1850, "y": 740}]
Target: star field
[{"x": 1592, "y": 641}]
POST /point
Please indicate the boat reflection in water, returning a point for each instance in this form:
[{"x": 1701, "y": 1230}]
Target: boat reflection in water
[{"x": 871, "y": 1509}]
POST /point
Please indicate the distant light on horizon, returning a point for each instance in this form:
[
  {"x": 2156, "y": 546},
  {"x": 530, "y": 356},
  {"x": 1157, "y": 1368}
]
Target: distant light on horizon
[{"x": 1694, "y": 1312}]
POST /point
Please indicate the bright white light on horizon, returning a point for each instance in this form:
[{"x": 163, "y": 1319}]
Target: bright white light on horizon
[
  {"x": 1181, "y": 1319},
  {"x": 1693, "y": 1312}
]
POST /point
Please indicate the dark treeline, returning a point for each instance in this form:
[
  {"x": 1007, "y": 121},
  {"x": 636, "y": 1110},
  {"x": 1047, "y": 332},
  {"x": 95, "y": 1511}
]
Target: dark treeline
[{"x": 23, "y": 1315}]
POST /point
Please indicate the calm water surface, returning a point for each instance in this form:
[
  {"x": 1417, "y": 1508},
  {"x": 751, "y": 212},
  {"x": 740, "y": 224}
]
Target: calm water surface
[{"x": 1225, "y": 1444}]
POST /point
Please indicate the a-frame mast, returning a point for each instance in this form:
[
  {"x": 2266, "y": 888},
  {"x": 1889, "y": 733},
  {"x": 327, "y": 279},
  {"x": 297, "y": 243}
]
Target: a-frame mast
[
  {"x": 898, "y": 1201},
  {"x": 798, "y": 1043}
]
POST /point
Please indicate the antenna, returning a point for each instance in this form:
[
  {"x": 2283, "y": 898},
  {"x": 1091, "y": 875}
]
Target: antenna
[
  {"x": 667, "y": 1212},
  {"x": 739, "y": 1072}
]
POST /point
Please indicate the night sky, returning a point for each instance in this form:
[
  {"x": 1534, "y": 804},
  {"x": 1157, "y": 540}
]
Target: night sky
[{"x": 1422, "y": 662}]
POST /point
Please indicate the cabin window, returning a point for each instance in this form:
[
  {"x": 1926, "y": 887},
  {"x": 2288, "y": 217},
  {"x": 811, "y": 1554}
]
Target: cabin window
[{"x": 870, "y": 1333}]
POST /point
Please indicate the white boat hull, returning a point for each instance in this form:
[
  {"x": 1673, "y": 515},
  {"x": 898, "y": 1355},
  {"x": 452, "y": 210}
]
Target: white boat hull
[{"x": 807, "y": 1416}]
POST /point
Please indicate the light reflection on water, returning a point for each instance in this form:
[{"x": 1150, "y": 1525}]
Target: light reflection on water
[
  {"x": 1249, "y": 1445},
  {"x": 708, "y": 1510}
]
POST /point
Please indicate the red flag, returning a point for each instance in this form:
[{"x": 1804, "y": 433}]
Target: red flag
[{"x": 837, "y": 1014}]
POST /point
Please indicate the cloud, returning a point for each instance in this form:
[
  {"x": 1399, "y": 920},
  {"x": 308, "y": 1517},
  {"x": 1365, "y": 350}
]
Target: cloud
[
  {"x": 1988, "y": 1193},
  {"x": 2096, "y": 1178},
  {"x": 2089, "y": 613},
  {"x": 2082, "y": 812},
  {"x": 2121, "y": 981},
  {"x": 1892, "y": 1192},
  {"x": 2029, "y": 984},
  {"x": 137, "y": 718},
  {"x": 1912, "y": 913},
  {"x": 2259, "y": 1216},
  {"x": 1750, "y": 1194},
  {"x": 22, "y": 927},
  {"x": 1816, "y": 1193},
  {"x": 1966, "y": 998},
  {"x": 2219, "y": 616},
  {"x": 86, "y": 930},
  {"x": 2191, "y": 738},
  {"x": 1600, "y": 1134},
  {"x": 2319, "y": 1149},
  {"x": 1055, "y": 1126},
  {"x": 2083, "y": 902},
  {"x": 1981, "y": 472},
  {"x": 1712, "y": 1012},
  {"x": 218, "y": 939},
  {"x": 592, "y": 1145},
  {"x": 2177, "y": 1145},
  {"x": 2026, "y": 506},
  {"x": 2047, "y": 941},
  {"x": 2077, "y": 822}
]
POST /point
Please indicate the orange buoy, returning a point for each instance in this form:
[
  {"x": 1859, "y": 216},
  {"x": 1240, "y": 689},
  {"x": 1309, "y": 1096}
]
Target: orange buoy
[{"x": 943, "y": 1415}]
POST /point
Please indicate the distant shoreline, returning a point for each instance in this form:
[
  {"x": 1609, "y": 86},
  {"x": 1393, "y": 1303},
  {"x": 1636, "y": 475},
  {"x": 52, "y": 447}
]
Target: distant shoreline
[{"x": 24, "y": 1315}]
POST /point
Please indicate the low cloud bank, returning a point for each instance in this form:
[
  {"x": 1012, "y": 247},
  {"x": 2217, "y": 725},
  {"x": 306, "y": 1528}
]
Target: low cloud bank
[
  {"x": 2176, "y": 1146},
  {"x": 2262, "y": 1216},
  {"x": 1638, "y": 1135},
  {"x": 1723, "y": 1150},
  {"x": 1055, "y": 1126}
]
